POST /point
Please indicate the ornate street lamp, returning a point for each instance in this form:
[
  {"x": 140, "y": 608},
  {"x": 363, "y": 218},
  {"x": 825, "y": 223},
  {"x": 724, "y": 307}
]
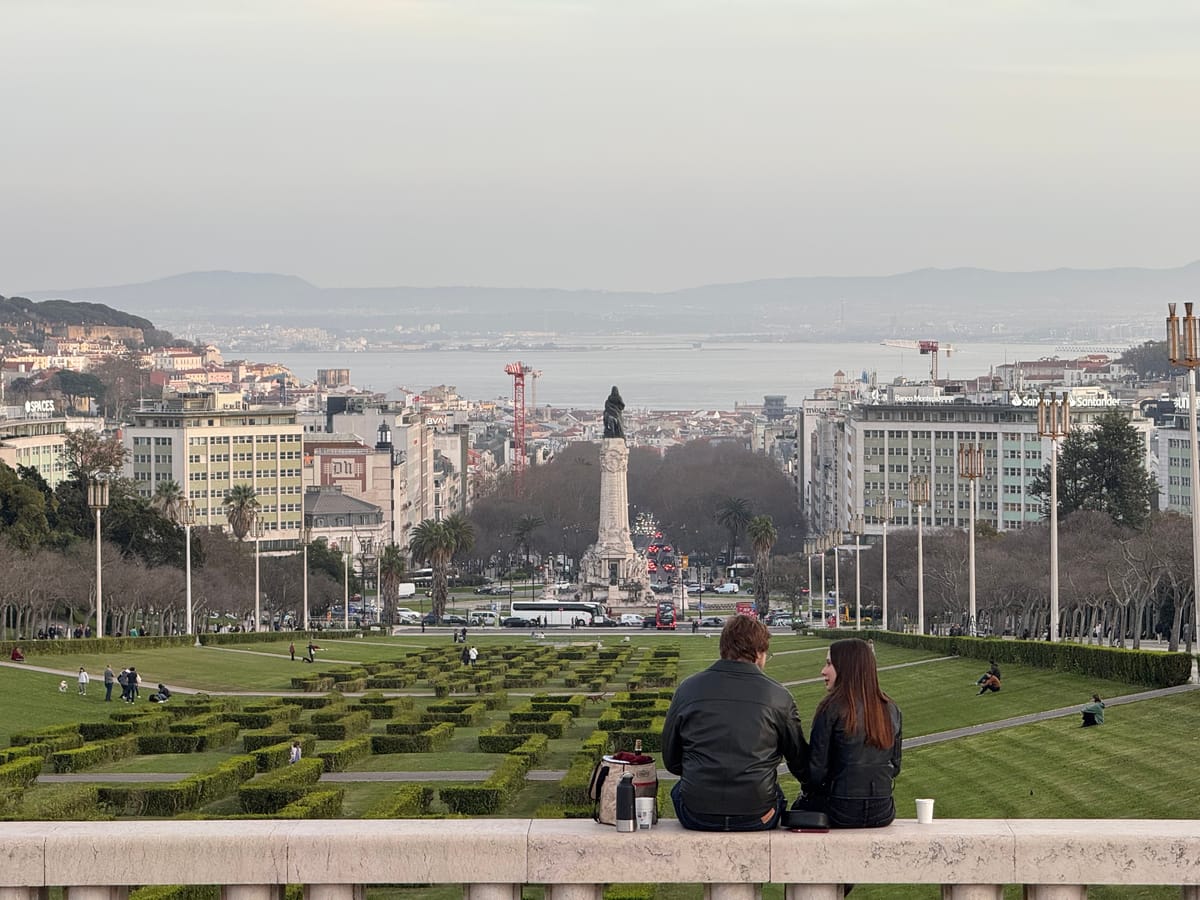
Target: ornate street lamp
[
  {"x": 970, "y": 466},
  {"x": 256, "y": 531},
  {"x": 918, "y": 496},
  {"x": 884, "y": 509},
  {"x": 1182, "y": 349},
  {"x": 364, "y": 551},
  {"x": 835, "y": 538},
  {"x": 98, "y": 500},
  {"x": 305, "y": 540},
  {"x": 856, "y": 528},
  {"x": 187, "y": 516},
  {"x": 1054, "y": 422}
]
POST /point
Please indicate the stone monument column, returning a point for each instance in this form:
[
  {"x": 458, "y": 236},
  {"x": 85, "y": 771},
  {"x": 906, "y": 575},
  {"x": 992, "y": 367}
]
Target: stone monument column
[{"x": 614, "y": 546}]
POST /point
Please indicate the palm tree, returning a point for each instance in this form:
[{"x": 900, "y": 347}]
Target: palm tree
[
  {"x": 734, "y": 515},
  {"x": 241, "y": 506},
  {"x": 436, "y": 543},
  {"x": 762, "y": 534},
  {"x": 391, "y": 572},
  {"x": 168, "y": 499},
  {"x": 526, "y": 526}
]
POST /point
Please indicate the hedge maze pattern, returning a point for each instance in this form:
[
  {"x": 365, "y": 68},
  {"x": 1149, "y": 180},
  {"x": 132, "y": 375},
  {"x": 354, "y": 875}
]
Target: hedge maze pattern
[{"x": 556, "y": 686}]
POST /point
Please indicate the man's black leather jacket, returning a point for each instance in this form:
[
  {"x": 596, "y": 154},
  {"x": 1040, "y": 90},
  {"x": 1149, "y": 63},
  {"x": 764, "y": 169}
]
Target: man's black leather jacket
[{"x": 725, "y": 733}]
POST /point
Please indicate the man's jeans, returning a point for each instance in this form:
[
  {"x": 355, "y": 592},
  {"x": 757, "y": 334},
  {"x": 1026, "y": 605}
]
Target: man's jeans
[{"x": 699, "y": 822}]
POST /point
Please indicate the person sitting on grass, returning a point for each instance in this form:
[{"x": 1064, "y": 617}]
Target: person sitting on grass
[
  {"x": 1093, "y": 713},
  {"x": 990, "y": 682},
  {"x": 17, "y": 655},
  {"x": 992, "y": 669}
]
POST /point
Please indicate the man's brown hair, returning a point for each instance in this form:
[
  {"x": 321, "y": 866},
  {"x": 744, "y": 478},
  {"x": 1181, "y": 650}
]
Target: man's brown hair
[{"x": 743, "y": 638}]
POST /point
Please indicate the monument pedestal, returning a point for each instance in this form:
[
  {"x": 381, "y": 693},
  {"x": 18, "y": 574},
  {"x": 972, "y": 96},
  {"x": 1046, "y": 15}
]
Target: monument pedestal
[{"x": 612, "y": 563}]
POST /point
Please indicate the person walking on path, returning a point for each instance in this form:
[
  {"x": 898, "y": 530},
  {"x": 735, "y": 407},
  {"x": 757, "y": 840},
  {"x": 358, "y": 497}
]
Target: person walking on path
[
  {"x": 84, "y": 678},
  {"x": 123, "y": 681},
  {"x": 465, "y": 656},
  {"x": 109, "y": 678},
  {"x": 473, "y": 655},
  {"x": 292, "y": 650},
  {"x": 134, "y": 680},
  {"x": 295, "y": 753}
]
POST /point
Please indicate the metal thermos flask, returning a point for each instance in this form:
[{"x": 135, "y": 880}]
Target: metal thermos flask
[{"x": 626, "y": 812}]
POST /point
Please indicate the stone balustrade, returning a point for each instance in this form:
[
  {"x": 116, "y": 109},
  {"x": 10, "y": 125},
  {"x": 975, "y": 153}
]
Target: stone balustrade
[{"x": 492, "y": 858}]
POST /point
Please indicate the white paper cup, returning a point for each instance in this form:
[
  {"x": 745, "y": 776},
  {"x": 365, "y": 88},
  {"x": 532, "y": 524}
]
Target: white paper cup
[
  {"x": 925, "y": 811},
  {"x": 645, "y": 812}
]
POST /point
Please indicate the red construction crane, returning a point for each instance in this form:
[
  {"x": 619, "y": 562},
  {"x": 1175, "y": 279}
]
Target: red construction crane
[
  {"x": 518, "y": 371},
  {"x": 930, "y": 348}
]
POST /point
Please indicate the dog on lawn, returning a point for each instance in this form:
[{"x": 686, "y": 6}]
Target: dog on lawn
[{"x": 62, "y": 686}]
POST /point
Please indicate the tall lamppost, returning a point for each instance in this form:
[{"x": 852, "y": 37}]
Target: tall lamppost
[
  {"x": 810, "y": 547},
  {"x": 835, "y": 538},
  {"x": 856, "y": 527},
  {"x": 256, "y": 530},
  {"x": 305, "y": 540},
  {"x": 1054, "y": 422},
  {"x": 1185, "y": 333},
  {"x": 918, "y": 496},
  {"x": 346, "y": 584},
  {"x": 823, "y": 547},
  {"x": 98, "y": 500},
  {"x": 364, "y": 551},
  {"x": 883, "y": 512},
  {"x": 187, "y": 515},
  {"x": 970, "y": 466}
]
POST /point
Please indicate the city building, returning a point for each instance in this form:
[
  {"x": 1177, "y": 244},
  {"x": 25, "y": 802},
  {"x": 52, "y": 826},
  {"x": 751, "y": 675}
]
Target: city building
[
  {"x": 869, "y": 450},
  {"x": 207, "y": 442}
]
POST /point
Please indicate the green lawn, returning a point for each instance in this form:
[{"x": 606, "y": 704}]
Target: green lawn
[{"x": 1134, "y": 766}]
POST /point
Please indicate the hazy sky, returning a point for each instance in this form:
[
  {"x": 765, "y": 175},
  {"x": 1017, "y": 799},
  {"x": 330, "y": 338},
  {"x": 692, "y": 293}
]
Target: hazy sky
[{"x": 592, "y": 143}]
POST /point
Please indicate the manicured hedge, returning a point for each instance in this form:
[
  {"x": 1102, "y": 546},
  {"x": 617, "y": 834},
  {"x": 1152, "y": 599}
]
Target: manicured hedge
[
  {"x": 276, "y": 755},
  {"x": 20, "y": 773},
  {"x": 272, "y": 792},
  {"x": 406, "y": 802},
  {"x": 323, "y": 804},
  {"x": 67, "y": 732},
  {"x": 59, "y": 803},
  {"x": 189, "y": 794},
  {"x": 340, "y": 757},
  {"x": 429, "y": 741},
  {"x": 1150, "y": 668},
  {"x": 487, "y": 798},
  {"x": 93, "y": 754},
  {"x": 347, "y": 725},
  {"x": 169, "y": 742},
  {"x": 315, "y": 701},
  {"x": 103, "y": 731}
]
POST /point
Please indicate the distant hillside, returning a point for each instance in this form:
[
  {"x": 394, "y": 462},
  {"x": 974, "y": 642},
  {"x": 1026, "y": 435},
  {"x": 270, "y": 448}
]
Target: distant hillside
[
  {"x": 23, "y": 312},
  {"x": 941, "y": 303}
]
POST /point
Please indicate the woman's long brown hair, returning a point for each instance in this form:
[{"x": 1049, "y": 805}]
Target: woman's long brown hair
[{"x": 856, "y": 694}]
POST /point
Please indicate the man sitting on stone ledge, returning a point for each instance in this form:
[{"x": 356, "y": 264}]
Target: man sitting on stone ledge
[{"x": 725, "y": 732}]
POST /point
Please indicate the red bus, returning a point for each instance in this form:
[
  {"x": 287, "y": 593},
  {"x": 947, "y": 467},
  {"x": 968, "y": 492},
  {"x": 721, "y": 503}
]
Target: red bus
[{"x": 664, "y": 617}]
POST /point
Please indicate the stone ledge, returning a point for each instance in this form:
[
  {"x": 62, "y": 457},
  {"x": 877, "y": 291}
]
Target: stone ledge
[{"x": 557, "y": 851}]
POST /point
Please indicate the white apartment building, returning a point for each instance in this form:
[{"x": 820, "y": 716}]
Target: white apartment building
[
  {"x": 869, "y": 451},
  {"x": 207, "y": 443}
]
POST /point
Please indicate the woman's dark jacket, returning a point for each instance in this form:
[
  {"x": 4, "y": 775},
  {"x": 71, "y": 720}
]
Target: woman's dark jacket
[{"x": 847, "y": 778}]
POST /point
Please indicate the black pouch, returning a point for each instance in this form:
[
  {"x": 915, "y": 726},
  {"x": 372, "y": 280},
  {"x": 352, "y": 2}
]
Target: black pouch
[{"x": 805, "y": 820}]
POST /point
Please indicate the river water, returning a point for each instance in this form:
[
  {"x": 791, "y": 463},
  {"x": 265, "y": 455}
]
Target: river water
[{"x": 655, "y": 373}]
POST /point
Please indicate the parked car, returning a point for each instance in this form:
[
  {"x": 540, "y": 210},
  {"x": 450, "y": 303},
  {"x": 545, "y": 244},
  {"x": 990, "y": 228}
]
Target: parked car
[
  {"x": 486, "y": 589},
  {"x": 781, "y": 622},
  {"x": 516, "y": 622},
  {"x": 406, "y": 616},
  {"x": 712, "y": 622},
  {"x": 604, "y": 621},
  {"x": 501, "y": 591},
  {"x": 631, "y": 619},
  {"x": 727, "y": 588},
  {"x": 454, "y": 620}
]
